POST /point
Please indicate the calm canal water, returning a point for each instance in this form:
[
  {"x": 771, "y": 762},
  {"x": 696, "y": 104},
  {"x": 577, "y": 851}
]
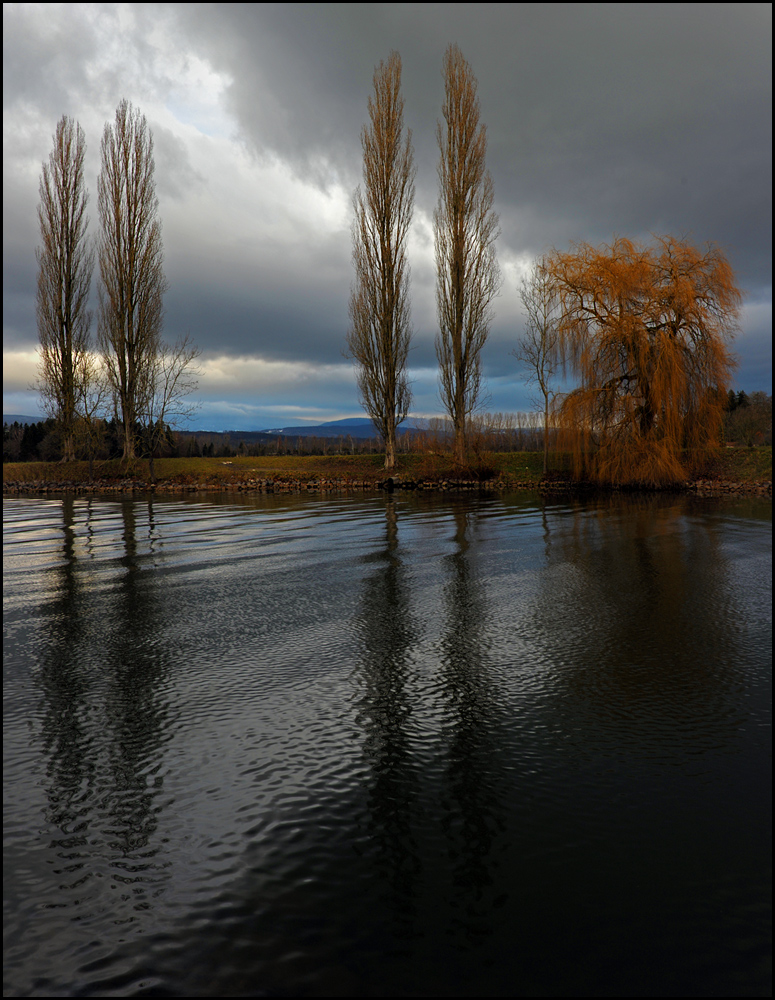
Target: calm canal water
[{"x": 400, "y": 745}]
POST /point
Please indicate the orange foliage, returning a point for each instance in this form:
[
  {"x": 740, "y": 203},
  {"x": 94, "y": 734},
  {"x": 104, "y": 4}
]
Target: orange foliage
[{"x": 646, "y": 329}]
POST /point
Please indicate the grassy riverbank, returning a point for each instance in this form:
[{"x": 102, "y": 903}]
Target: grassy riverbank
[
  {"x": 521, "y": 467},
  {"x": 743, "y": 466}
]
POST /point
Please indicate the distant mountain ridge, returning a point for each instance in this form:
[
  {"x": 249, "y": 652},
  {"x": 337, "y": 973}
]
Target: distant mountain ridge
[
  {"x": 21, "y": 418},
  {"x": 355, "y": 427}
]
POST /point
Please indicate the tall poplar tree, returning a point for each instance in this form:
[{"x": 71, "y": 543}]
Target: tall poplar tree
[
  {"x": 131, "y": 259},
  {"x": 466, "y": 227},
  {"x": 380, "y": 327},
  {"x": 65, "y": 264}
]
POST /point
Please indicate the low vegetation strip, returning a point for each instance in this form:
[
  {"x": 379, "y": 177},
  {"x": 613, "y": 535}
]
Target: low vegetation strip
[{"x": 732, "y": 470}]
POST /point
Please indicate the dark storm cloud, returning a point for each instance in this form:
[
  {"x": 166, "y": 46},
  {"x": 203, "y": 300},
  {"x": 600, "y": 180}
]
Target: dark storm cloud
[
  {"x": 603, "y": 120},
  {"x": 174, "y": 169},
  {"x": 41, "y": 66}
]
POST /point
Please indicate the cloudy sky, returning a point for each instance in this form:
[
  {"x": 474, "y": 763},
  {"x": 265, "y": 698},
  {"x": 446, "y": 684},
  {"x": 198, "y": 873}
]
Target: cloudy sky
[{"x": 602, "y": 120}]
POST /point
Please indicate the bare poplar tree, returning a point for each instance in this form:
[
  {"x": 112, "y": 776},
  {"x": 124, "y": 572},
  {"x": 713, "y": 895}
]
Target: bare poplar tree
[
  {"x": 538, "y": 348},
  {"x": 65, "y": 264},
  {"x": 466, "y": 227},
  {"x": 131, "y": 261},
  {"x": 380, "y": 326}
]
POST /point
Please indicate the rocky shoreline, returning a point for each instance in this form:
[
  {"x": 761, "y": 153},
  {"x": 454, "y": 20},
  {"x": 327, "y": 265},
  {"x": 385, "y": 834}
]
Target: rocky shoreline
[{"x": 701, "y": 487}]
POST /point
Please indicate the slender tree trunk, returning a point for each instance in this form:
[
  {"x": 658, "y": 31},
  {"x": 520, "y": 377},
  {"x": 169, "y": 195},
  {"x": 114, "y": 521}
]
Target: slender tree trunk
[
  {"x": 390, "y": 448},
  {"x": 647, "y": 412},
  {"x": 68, "y": 405},
  {"x": 68, "y": 447},
  {"x": 459, "y": 447},
  {"x": 129, "y": 437}
]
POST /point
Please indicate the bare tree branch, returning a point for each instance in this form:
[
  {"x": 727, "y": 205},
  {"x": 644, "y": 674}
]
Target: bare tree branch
[
  {"x": 169, "y": 380},
  {"x": 538, "y": 348},
  {"x": 94, "y": 396}
]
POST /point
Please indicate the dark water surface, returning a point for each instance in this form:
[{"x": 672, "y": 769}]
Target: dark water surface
[{"x": 411, "y": 745}]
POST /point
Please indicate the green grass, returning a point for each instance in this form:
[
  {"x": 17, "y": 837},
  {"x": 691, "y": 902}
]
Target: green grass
[
  {"x": 742, "y": 465},
  {"x": 523, "y": 467},
  {"x": 185, "y": 470}
]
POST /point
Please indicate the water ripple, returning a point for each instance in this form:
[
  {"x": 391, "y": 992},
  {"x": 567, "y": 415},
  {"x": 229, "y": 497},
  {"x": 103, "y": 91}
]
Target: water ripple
[{"x": 363, "y": 745}]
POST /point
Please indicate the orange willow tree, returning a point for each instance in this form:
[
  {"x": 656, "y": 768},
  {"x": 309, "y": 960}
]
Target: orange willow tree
[{"x": 646, "y": 329}]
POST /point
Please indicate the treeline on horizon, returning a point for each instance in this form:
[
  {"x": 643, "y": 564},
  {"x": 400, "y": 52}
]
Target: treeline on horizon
[
  {"x": 747, "y": 424},
  {"x": 500, "y": 432}
]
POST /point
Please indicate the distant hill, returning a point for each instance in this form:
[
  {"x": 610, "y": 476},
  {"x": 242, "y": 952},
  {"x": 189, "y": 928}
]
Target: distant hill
[
  {"x": 356, "y": 427},
  {"x": 20, "y": 418}
]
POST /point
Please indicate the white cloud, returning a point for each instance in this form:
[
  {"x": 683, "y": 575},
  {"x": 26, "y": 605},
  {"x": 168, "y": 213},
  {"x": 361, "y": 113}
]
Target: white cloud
[
  {"x": 19, "y": 370},
  {"x": 259, "y": 377}
]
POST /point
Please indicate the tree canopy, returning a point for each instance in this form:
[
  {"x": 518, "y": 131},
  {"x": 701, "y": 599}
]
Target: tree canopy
[{"x": 646, "y": 330}]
